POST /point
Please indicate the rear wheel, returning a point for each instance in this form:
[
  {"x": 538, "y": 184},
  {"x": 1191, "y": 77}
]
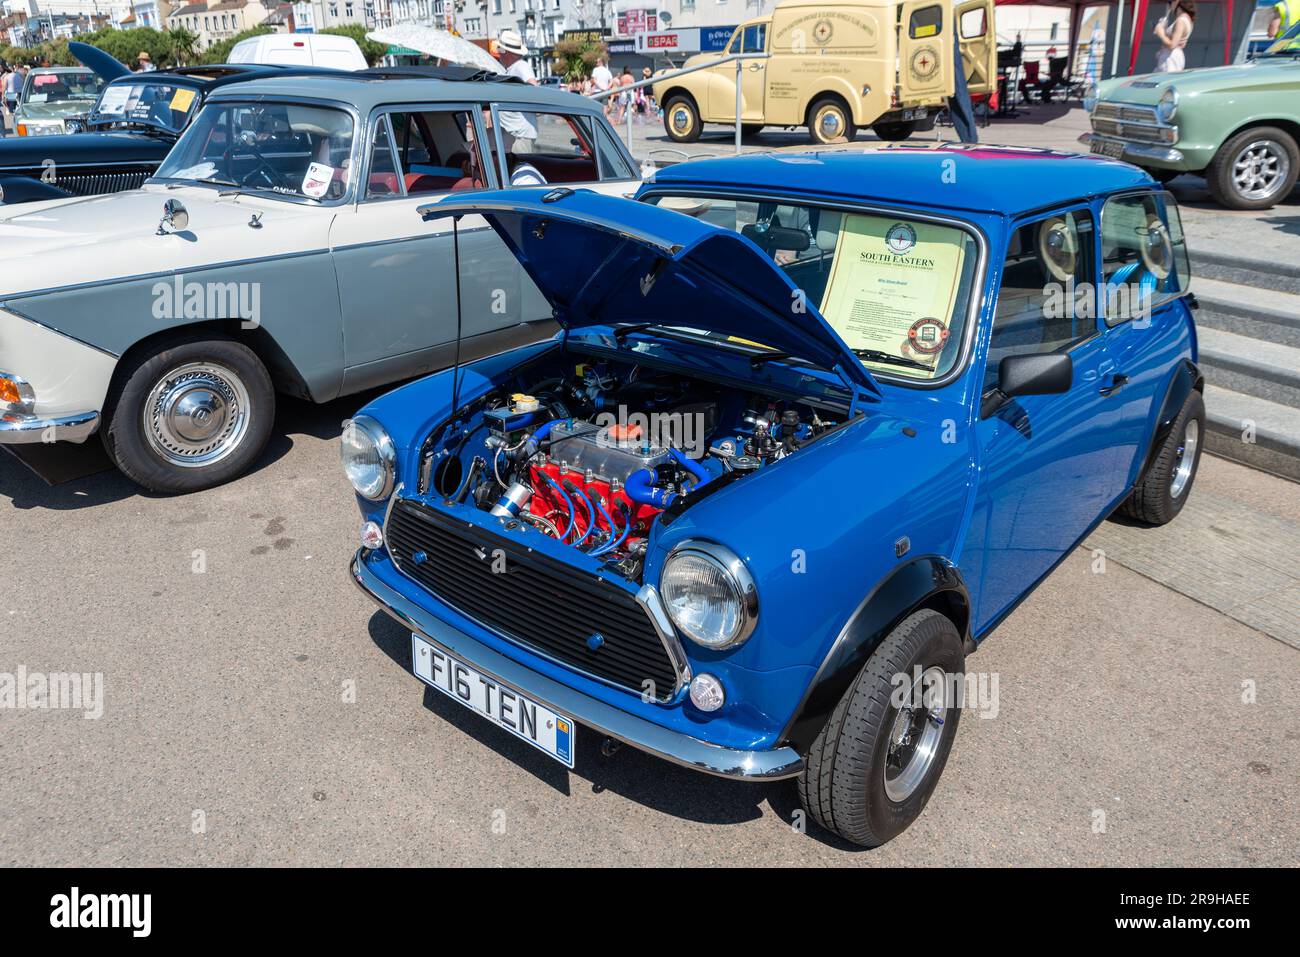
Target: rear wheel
[
  {"x": 1164, "y": 485},
  {"x": 829, "y": 121},
  {"x": 194, "y": 414},
  {"x": 874, "y": 766},
  {"x": 894, "y": 132},
  {"x": 1256, "y": 169},
  {"x": 682, "y": 119}
]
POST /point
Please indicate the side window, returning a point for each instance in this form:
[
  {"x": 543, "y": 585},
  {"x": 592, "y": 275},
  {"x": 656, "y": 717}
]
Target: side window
[
  {"x": 737, "y": 41},
  {"x": 926, "y": 22},
  {"x": 1045, "y": 303},
  {"x": 383, "y": 179},
  {"x": 544, "y": 148},
  {"x": 429, "y": 152},
  {"x": 613, "y": 163},
  {"x": 1143, "y": 254},
  {"x": 755, "y": 38}
]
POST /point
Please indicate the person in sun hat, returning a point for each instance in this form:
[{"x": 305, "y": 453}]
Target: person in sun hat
[
  {"x": 520, "y": 128},
  {"x": 144, "y": 62}
]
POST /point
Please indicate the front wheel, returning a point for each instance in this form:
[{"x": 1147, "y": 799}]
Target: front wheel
[
  {"x": 874, "y": 766},
  {"x": 1163, "y": 487},
  {"x": 1256, "y": 169},
  {"x": 682, "y": 119},
  {"x": 829, "y": 121},
  {"x": 192, "y": 415}
]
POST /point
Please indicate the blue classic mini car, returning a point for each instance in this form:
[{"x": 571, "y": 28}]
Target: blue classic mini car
[{"x": 813, "y": 426}]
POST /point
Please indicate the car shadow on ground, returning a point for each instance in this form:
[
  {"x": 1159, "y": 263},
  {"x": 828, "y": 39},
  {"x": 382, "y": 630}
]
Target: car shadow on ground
[
  {"x": 66, "y": 476},
  {"x": 627, "y": 772}
]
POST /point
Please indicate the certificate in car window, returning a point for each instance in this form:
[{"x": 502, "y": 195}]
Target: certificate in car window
[
  {"x": 114, "y": 99},
  {"x": 892, "y": 287}
]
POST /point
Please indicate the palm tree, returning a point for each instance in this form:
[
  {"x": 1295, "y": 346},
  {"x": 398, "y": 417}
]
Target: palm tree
[{"x": 182, "y": 46}]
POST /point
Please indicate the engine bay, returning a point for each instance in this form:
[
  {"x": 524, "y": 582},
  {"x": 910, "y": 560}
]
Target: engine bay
[{"x": 593, "y": 453}]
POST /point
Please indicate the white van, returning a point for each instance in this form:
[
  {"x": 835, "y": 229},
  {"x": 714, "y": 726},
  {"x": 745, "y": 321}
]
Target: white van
[{"x": 300, "y": 49}]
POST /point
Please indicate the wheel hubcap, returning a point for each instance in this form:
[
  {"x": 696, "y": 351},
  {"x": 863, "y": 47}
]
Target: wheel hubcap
[
  {"x": 196, "y": 415},
  {"x": 915, "y": 734},
  {"x": 1185, "y": 458},
  {"x": 1260, "y": 169},
  {"x": 830, "y": 124},
  {"x": 681, "y": 120}
]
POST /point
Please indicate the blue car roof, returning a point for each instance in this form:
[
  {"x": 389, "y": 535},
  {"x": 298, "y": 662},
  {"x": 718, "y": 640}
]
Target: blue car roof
[{"x": 994, "y": 179}]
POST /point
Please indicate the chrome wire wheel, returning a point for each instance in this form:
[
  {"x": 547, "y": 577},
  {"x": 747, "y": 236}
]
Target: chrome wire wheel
[
  {"x": 1185, "y": 458},
  {"x": 1260, "y": 169},
  {"x": 197, "y": 414},
  {"x": 916, "y": 732}
]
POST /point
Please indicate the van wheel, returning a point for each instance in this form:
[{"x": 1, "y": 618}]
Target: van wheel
[
  {"x": 191, "y": 415},
  {"x": 874, "y": 766},
  {"x": 682, "y": 119},
  {"x": 894, "y": 132},
  {"x": 1164, "y": 485},
  {"x": 829, "y": 121},
  {"x": 1256, "y": 169}
]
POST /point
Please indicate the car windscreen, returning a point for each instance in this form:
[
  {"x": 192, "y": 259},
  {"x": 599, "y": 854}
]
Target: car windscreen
[
  {"x": 283, "y": 148},
  {"x": 65, "y": 86},
  {"x": 167, "y": 106},
  {"x": 895, "y": 288},
  {"x": 1288, "y": 44}
]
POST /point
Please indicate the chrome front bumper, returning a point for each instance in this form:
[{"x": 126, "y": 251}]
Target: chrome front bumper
[
  {"x": 20, "y": 429},
  {"x": 595, "y": 714},
  {"x": 1133, "y": 152}
]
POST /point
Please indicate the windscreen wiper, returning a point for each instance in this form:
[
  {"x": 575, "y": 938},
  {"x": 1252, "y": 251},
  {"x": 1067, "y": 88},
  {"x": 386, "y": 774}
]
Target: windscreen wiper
[{"x": 875, "y": 355}]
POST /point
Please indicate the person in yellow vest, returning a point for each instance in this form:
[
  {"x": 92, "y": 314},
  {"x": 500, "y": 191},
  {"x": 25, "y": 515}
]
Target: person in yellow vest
[{"x": 1285, "y": 15}]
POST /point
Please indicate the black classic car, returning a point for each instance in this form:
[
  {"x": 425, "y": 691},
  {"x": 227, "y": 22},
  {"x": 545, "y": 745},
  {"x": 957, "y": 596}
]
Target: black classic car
[{"x": 124, "y": 137}]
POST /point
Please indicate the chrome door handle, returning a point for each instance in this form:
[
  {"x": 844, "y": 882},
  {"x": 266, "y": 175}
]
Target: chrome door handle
[{"x": 1117, "y": 382}]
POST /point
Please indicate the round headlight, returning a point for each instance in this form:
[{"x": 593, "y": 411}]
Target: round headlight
[
  {"x": 1090, "y": 98},
  {"x": 368, "y": 457},
  {"x": 1167, "y": 108},
  {"x": 709, "y": 594}
]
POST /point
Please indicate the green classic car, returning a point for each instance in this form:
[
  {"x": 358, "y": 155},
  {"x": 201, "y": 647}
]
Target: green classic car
[
  {"x": 55, "y": 98},
  {"x": 1238, "y": 126}
]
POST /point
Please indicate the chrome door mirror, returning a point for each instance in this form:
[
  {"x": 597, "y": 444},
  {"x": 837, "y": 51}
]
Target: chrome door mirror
[{"x": 175, "y": 217}]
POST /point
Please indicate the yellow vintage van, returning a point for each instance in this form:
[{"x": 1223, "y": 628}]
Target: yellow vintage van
[{"x": 837, "y": 67}]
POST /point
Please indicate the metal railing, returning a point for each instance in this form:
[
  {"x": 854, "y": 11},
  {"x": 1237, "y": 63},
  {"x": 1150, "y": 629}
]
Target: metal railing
[{"x": 673, "y": 74}]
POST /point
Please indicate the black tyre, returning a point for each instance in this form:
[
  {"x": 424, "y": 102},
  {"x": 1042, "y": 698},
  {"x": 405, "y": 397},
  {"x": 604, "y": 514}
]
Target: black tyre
[
  {"x": 1256, "y": 169},
  {"x": 193, "y": 414},
  {"x": 682, "y": 119},
  {"x": 1164, "y": 485},
  {"x": 829, "y": 121},
  {"x": 894, "y": 132},
  {"x": 874, "y": 766}
]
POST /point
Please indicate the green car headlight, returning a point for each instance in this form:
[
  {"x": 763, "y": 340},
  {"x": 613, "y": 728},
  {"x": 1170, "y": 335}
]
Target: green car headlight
[{"x": 1167, "y": 108}]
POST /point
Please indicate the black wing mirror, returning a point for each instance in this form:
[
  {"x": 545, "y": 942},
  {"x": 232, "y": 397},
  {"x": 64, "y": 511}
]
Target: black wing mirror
[{"x": 1049, "y": 373}]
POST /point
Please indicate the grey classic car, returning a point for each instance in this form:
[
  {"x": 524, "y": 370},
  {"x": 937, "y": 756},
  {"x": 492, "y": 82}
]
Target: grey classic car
[{"x": 278, "y": 249}]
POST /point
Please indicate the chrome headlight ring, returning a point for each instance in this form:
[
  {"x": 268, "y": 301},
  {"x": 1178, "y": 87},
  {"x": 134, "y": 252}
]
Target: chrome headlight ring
[
  {"x": 698, "y": 615},
  {"x": 1167, "y": 107},
  {"x": 369, "y": 457}
]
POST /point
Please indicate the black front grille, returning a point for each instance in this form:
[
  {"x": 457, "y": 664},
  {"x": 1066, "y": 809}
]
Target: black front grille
[
  {"x": 537, "y": 601},
  {"x": 92, "y": 184}
]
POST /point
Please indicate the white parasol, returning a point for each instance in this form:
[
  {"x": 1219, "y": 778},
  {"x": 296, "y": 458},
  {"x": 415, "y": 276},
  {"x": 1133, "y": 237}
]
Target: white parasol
[{"x": 438, "y": 44}]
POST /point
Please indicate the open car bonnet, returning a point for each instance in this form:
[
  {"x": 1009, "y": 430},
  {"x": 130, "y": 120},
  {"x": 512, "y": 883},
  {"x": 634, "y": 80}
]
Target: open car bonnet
[{"x": 601, "y": 260}]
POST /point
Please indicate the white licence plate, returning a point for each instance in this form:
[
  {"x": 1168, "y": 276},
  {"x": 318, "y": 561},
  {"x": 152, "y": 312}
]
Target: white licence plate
[
  {"x": 1112, "y": 148},
  {"x": 523, "y": 717}
]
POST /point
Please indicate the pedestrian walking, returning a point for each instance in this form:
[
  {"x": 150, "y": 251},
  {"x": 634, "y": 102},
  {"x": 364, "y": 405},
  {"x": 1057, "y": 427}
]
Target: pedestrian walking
[
  {"x": 602, "y": 81},
  {"x": 520, "y": 128},
  {"x": 1173, "y": 31},
  {"x": 959, "y": 104}
]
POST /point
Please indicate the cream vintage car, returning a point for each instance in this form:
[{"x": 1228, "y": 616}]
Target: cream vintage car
[{"x": 278, "y": 249}]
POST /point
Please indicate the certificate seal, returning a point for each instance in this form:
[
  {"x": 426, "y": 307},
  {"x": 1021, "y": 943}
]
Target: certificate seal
[
  {"x": 900, "y": 239},
  {"x": 927, "y": 336}
]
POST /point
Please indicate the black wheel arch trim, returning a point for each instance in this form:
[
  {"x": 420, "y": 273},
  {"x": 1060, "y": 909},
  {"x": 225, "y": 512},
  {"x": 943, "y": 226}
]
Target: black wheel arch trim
[
  {"x": 1187, "y": 378},
  {"x": 926, "y": 581}
]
